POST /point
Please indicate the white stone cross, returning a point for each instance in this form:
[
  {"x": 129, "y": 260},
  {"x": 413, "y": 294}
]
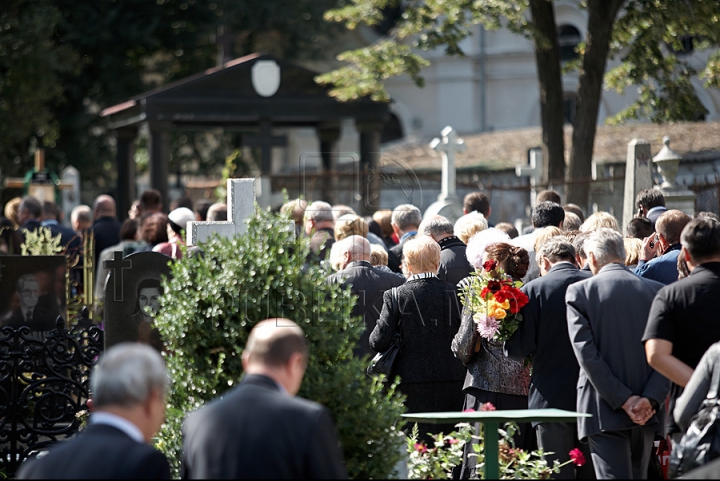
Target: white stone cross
[
  {"x": 447, "y": 146},
  {"x": 534, "y": 171},
  {"x": 240, "y": 207}
]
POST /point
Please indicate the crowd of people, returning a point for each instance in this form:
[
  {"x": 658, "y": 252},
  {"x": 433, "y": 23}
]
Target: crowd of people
[{"x": 614, "y": 326}]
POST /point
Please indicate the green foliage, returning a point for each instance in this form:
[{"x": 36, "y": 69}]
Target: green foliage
[
  {"x": 446, "y": 452},
  {"x": 213, "y": 301},
  {"x": 649, "y": 37},
  {"x": 30, "y": 65},
  {"x": 424, "y": 25},
  {"x": 40, "y": 242}
]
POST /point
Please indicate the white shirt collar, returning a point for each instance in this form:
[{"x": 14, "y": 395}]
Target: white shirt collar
[
  {"x": 422, "y": 275},
  {"x": 118, "y": 422}
]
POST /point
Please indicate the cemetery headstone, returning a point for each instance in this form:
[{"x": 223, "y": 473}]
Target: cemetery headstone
[
  {"x": 638, "y": 176},
  {"x": 70, "y": 176},
  {"x": 132, "y": 295},
  {"x": 533, "y": 170},
  {"x": 668, "y": 162},
  {"x": 33, "y": 292},
  {"x": 447, "y": 204}
]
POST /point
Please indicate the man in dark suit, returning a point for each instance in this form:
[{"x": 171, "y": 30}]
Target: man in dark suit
[
  {"x": 128, "y": 407},
  {"x": 106, "y": 227},
  {"x": 259, "y": 429},
  {"x": 454, "y": 265},
  {"x": 29, "y": 213},
  {"x": 51, "y": 217},
  {"x": 31, "y": 312},
  {"x": 366, "y": 282},
  {"x": 606, "y": 316},
  {"x": 543, "y": 334},
  {"x": 406, "y": 219}
]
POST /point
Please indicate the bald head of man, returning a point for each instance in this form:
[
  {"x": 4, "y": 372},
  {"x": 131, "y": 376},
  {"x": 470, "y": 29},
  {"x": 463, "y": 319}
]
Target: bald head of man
[
  {"x": 354, "y": 248},
  {"x": 104, "y": 206},
  {"x": 277, "y": 348}
]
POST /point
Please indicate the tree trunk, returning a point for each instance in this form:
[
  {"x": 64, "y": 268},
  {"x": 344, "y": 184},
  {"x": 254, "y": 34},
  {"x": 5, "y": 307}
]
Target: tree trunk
[
  {"x": 547, "y": 58},
  {"x": 602, "y": 14}
]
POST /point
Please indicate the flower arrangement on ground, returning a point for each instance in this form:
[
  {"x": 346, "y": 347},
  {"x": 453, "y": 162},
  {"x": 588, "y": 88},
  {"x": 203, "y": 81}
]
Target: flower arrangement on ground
[
  {"x": 439, "y": 460},
  {"x": 495, "y": 300}
]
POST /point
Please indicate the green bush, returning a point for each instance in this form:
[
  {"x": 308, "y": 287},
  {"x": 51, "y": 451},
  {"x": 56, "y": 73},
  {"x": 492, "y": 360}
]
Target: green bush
[{"x": 213, "y": 301}]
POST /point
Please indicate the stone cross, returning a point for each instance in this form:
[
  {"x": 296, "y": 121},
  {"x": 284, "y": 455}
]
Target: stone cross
[
  {"x": 241, "y": 206},
  {"x": 447, "y": 146},
  {"x": 638, "y": 176},
  {"x": 116, "y": 265},
  {"x": 533, "y": 171}
]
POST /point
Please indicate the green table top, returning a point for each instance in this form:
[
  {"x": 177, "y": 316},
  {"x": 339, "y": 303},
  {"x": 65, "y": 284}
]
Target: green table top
[{"x": 520, "y": 415}]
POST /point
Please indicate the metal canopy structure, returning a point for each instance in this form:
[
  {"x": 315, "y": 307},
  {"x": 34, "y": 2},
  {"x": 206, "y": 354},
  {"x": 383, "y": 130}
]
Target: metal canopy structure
[{"x": 254, "y": 94}]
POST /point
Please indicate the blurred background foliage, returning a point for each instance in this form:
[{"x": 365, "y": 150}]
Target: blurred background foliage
[{"x": 63, "y": 61}]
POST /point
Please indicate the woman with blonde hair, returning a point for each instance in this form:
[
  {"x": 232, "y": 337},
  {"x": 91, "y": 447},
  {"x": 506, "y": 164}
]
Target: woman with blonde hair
[
  {"x": 599, "y": 220},
  {"x": 427, "y": 319},
  {"x": 469, "y": 225}
]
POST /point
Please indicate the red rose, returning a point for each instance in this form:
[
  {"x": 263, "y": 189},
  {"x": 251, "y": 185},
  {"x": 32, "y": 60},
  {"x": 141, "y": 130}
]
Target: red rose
[
  {"x": 577, "y": 457},
  {"x": 489, "y": 265},
  {"x": 494, "y": 286}
]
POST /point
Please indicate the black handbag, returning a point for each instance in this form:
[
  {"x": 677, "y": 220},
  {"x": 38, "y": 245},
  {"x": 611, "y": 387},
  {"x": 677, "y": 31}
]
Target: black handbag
[
  {"x": 701, "y": 442},
  {"x": 382, "y": 363}
]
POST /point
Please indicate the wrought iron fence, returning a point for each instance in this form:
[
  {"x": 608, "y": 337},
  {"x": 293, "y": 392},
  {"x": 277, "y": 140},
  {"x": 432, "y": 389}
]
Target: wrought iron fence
[{"x": 43, "y": 385}]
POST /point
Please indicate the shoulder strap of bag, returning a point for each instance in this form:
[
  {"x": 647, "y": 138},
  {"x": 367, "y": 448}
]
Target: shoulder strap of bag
[
  {"x": 715, "y": 384},
  {"x": 395, "y": 304}
]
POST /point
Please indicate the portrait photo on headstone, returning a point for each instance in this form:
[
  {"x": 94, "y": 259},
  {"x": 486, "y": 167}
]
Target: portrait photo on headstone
[
  {"x": 33, "y": 292},
  {"x": 132, "y": 298}
]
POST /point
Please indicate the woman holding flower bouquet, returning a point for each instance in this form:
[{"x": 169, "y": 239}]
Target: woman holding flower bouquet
[{"x": 491, "y": 303}]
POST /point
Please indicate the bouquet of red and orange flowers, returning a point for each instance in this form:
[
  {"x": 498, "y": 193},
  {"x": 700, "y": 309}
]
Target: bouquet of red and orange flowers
[{"x": 495, "y": 301}]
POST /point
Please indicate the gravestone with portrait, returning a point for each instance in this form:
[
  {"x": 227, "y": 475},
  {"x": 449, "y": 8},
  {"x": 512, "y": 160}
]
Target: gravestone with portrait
[
  {"x": 132, "y": 295},
  {"x": 33, "y": 292}
]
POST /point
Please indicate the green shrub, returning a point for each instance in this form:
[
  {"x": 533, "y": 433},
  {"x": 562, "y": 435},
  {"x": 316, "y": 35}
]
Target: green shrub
[{"x": 213, "y": 301}]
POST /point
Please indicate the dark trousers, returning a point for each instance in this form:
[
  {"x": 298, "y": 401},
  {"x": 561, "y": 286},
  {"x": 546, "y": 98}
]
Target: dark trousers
[
  {"x": 559, "y": 439},
  {"x": 622, "y": 454}
]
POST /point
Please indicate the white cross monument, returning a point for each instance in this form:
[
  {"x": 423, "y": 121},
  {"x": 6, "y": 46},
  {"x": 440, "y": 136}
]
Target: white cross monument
[
  {"x": 241, "y": 206},
  {"x": 447, "y": 203},
  {"x": 533, "y": 171}
]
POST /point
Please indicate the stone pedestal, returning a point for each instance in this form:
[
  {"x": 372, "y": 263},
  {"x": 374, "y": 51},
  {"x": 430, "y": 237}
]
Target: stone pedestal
[{"x": 638, "y": 176}]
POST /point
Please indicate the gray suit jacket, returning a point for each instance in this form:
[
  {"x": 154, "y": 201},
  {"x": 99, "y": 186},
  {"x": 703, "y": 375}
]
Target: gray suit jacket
[{"x": 606, "y": 319}]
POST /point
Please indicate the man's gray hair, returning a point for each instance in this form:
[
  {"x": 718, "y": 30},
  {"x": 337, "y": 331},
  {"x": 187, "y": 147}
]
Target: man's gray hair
[
  {"x": 436, "y": 226},
  {"x": 319, "y": 211},
  {"x": 83, "y": 214},
  {"x": 127, "y": 374},
  {"x": 406, "y": 216},
  {"x": 557, "y": 249},
  {"x": 606, "y": 245},
  {"x": 357, "y": 246}
]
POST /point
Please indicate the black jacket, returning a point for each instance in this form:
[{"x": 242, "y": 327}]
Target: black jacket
[
  {"x": 368, "y": 284},
  {"x": 395, "y": 255},
  {"x": 430, "y": 317},
  {"x": 101, "y": 452},
  {"x": 106, "y": 230},
  {"x": 454, "y": 265},
  {"x": 256, "y": 431},
  {"x": 543, "y": 333}
]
